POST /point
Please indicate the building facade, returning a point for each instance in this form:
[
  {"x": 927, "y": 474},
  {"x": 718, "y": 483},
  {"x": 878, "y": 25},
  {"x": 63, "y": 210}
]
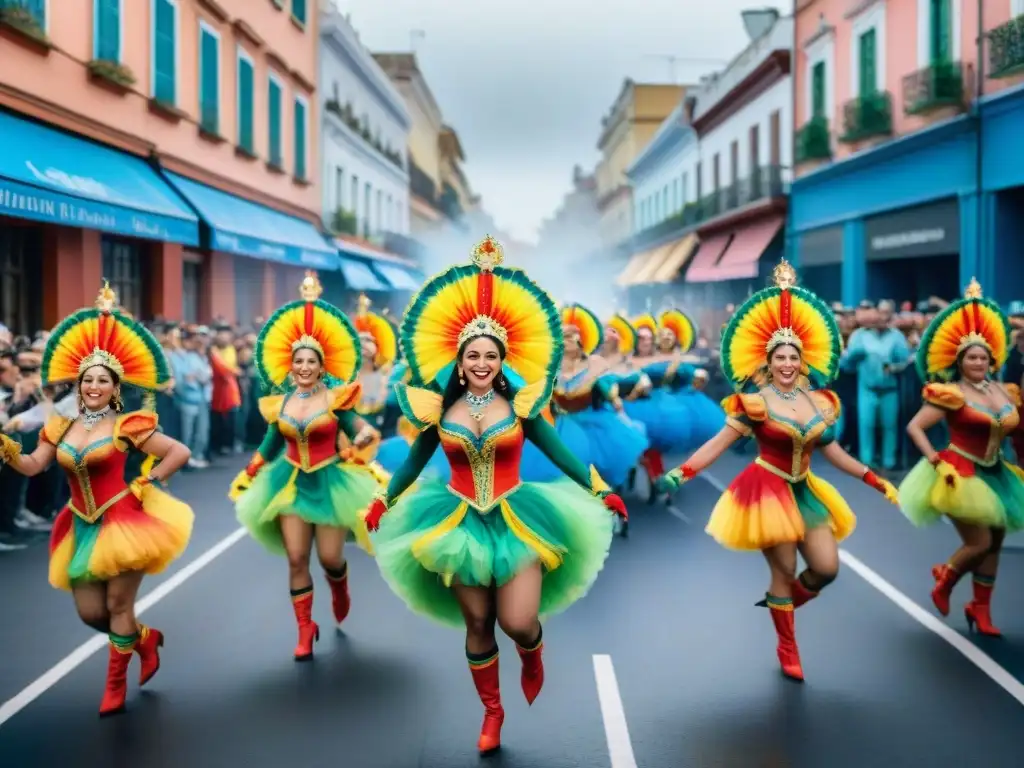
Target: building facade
[
  {"x": 197, "y": 110},
  {"x": 638, "y": 111},
  {"x": 905, "y": 174}
]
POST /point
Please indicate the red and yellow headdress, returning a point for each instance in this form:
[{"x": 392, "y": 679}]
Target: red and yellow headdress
[
  {"x": 376, "y": 328},
  {"x": 309, "y": 323},
  {"x": 781, "y": 314},
  {"x": 105, "y": 335},
  {"x": 967, "y": 322},
  {"x": 626, "y": 332},
  {"x": 587, "y": 323},
  {"x": 682, "y": 327},
  {"x": 484, "y": 298},
  {"x": 645, "y": 321}
]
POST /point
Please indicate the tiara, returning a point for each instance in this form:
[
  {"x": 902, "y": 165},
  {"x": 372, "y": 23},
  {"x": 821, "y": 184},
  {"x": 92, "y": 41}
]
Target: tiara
[
  {"x": 783, "y": 336},
  {"x": 101, "y": 357},
  {"x": 305, "y": 341},
  {"x": 482, "y": 325},
  {"x": 973, "y": 339}
]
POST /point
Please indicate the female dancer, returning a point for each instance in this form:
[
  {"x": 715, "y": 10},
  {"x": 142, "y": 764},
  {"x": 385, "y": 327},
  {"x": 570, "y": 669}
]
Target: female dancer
[
  {"x": 111, "y": 533},
  {"x": 677, "y": 335},
  {"x": 303, "y": 484},
  {"x": 488, "y": 547},
  {"x": 780, "y": 342},
  {"x": 968, "y": 481},
  {"x": 379, "y": 347}
]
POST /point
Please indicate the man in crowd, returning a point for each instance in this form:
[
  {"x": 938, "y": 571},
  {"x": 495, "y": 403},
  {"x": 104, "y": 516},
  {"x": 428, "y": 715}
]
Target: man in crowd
[{"x": 192, "y": 384}]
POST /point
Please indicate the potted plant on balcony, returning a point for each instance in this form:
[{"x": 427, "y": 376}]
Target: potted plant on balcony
[
  {"x": 344, "y": 222},
  {"x": 24, "y": 23},
  {"x": 111, "y": 74}
]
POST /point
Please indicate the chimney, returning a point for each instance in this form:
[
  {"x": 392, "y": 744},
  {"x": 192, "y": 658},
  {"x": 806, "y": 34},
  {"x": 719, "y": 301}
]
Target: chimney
[{"x": 758, "y": 21}]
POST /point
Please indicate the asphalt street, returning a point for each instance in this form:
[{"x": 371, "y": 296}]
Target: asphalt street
[{"x": 670, "y": 630}]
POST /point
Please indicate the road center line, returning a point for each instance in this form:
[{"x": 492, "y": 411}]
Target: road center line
[
  {"x": 620, "y": 748},
  {"x": 66, "y": 665},
  {"x": 964, "y": 646}
]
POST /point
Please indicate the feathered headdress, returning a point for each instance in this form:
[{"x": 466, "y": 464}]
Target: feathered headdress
[
  {"x": 483, "y": 298},
  {"x": 781, "y": 314},
  {"x": 967, "y": 322},
  {"x": 645, "y": 321},
  {"x": 587, "y": 323},
  {"x": 309, "y": 323},
  {"x": 105, "y": 335},
  {"x": 682, "y": 327},
  {"x": 626, "y": 332},
  {"x": 376, "y": 328}
]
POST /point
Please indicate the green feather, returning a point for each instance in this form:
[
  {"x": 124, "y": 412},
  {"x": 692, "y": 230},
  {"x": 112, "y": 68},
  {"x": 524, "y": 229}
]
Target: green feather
[{"x": 921, "y": 358}]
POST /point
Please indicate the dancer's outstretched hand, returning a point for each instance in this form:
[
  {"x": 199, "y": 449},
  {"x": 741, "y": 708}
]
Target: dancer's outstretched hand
[
  {"x": 376, "y": 511},
  {"x": 615, "y": 503},
  {"x": 239, "y": 485},
  {"x": 671, "y": 480}
]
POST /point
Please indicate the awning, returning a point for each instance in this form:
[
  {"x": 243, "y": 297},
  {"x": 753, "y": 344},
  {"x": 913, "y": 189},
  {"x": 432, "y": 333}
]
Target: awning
[
  {"x": 677, "y": 257},
  {"x": 49, "y": 176},
  {"x": 246, "y": 228},
  {"x": 394, "y": 271},
  {"x": 399, "y": 277},
  {"x": 654, "y": 261},
  {"x": 702, "y": 268},
  {"x": 635, "y": 263},
  {"x": 735, "y": 255},
  {"x": 359, "y": 276}
]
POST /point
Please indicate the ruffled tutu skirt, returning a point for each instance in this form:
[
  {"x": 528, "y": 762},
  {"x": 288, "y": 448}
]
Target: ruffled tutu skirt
[
  {"x": 964, "y": 491},
  {"x": 760, "y": 510},
  {"x": 336, "y": 495},
  {"x": 392, "y": 453},
  {"x": 431, "y": 539},
  {"x": 706, "y": 416},
  {"x": 144, "y": 532},
  {"x": 535, "y": 467},
  {"x": 668, "y": 423},
  {"x": 615, "y": 443}
]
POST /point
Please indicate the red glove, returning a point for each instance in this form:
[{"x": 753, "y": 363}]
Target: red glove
[
  {"x": 255, "y": 465},
  {"x": 615, "y": 503},
  {"x": 375, "y": 513}
]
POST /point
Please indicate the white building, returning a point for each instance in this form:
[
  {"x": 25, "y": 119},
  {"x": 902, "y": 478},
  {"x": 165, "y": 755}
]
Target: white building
[{"x": 365, "y": 134}]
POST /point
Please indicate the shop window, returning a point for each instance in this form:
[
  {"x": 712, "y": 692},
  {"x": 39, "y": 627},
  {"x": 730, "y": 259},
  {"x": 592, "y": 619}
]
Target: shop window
[
  {"x": 249, "y": 290},
  {"x": 107, "y": 30},
  {"x": 246, "y": 88},
  {"x": 123, "y": 267},
  {"x": 940, "y": 31},
  {"x": 209, "y": 78},
  {"x": 20, "y": 279},
  {"x": 165, "y": 51},
  {"x": 301, "y": 110},
  {"x": 868, "y": 63},
  {"x": 274, "y": 91},
  {"x": 190, "y": 281}
]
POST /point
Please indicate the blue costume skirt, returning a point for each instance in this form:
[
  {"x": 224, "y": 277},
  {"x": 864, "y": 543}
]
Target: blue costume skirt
[
  {"x": 393, "y": 452},
  {"x": 706, "y": 416},
  {"x": 535, "y": 467},
  {"x": 615, "y": 443},
  {"x": 668, "y": 421}
]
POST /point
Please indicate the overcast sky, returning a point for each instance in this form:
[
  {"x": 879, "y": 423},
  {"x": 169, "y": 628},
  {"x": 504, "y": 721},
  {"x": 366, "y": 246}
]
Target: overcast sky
[{"x": 526, "y": 89}]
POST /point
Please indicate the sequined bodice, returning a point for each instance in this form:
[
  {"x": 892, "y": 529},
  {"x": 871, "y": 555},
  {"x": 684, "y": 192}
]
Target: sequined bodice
[
  {"x": 95, "y": 476},
  {"x": 310, "y": 443},
  {"x": 574, "y": 393},
  {"x": 977, "y": 432},
  {"x": 486, "y": 468},
  {"x": 785, "y": 446}
]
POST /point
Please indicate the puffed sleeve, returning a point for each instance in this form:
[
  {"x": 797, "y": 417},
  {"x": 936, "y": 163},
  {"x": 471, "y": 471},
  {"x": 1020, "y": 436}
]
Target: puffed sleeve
[
  {"x": 829, "y": 406},
  {"x": 135, "y": 428},
  {"x": 1013, "y": 392},
  {"x": 55, "y": 429},
  {"x": 742, "y": 412},
  {"x": 945, "y": 396},
  {"x": 422, "y": 407},
  {"x": 346, "y": 397},
  {"x": 270, "y": 408}
]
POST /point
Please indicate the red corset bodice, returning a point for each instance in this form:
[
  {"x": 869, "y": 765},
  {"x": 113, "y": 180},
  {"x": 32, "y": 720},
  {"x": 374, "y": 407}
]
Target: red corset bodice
[
  {"x": 977, "y": 433},
  {"x": 310, "y": 444},
  {"x": 485, "y": 468},
  {"x": 785, "y": 447},
  {"x": 573, "y": 401}
]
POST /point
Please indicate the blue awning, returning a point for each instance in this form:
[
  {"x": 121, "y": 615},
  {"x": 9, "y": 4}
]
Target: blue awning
[
  {"x": 50, "y": 176},
  {"x": 359, "y": 276},
  {"x": 249, "y": 229},
  {"x": 401, "y": 279}
]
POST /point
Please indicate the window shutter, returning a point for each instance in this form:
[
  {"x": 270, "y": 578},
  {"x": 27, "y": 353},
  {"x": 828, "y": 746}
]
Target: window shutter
[
  {"x": 245, "y": 105},
  {"x": 818, "y": 90},
  {"x": 108, "y": 30},
  {"x": 274, "y": 114},
  {"x": 300, "y": 140},
  {"x": 164, "y": 83},
  {"x": 209, "y": 95},
  {"x": 868, "y": 59},
  {"x": 299, "y": 10}
]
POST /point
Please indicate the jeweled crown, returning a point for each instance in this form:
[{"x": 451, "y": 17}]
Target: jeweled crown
[
  {"x": 310, "y": 290},
  {"x": 305, "y": 341},
  {"x": 101, "y": 357},
  {"x": 488, "y": 254},
  {"x": 482, "y": 325},
  {"x": 783, "y": 336}
]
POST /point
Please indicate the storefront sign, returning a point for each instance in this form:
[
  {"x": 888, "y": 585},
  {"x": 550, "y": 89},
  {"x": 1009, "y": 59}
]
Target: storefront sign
[
  {"x": 820, "y": 247},
  {"x": 244, "y": 245},
  {"x": 929, "y": 230}
]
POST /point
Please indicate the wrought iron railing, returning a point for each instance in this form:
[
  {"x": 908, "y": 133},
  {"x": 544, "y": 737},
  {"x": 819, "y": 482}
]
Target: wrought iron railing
[
  {"x": 867, "y": 116},
  {"x": 814, "y": 141},
  {"x": 941, "y": 84},
  {"x": 1006, "y": 48}
]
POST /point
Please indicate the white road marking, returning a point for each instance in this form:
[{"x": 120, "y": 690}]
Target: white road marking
[
  {"x": 66, "y": 665},
  {"x": 964, "y": 646},
  {"x": 620, "y": 748}
]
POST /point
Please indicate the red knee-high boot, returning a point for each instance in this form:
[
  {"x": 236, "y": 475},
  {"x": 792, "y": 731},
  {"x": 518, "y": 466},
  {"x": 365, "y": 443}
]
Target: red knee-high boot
[
  {"x": 654, "y": 463},
  {"x": 309, "y": 632},
  {"x": 946, "y": 577},
  {"x": 341, "y": 602},
  {"x": 148, "y": 647},
  {"x": 532, "y": 678},
  {"x": 484, "y": 668},
  {"x": 789, "y": 655},
  {"x": 118, "y": 659},
  {"x": 978, "y": 611}
]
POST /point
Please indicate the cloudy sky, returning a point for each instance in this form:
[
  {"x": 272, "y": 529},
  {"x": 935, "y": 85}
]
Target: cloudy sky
[{"x": 526, "y": 89}]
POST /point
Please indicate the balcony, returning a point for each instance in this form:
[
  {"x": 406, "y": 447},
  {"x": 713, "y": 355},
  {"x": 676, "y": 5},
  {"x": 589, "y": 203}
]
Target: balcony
[
  {"x": 421, "y": 185},
  {"x": 1006, "y": 49},
  {"x": 449, "y": 203},
  {"x": 938, "y": 86},
  {"x": 867, "y": 117},
  {"x": 813, "y": 141},
  {"x": 403, "y": 245}
]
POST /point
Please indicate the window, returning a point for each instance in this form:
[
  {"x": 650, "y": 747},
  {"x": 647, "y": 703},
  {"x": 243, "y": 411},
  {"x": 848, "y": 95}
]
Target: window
[
  {"x": 665, "y": 210},
  {"x": 246, "y": 91},
  {"x": 34, "y": 8},
  {"x": 301, "y": 108},
  {"x": 734, "y": 162},
  {"x": 106, "y": 44},
  {"x": 940, "y": 31},
  {"x": 274, "y": 91},
  {"x": 380, "y": 212},
  {"x": 353, "y": 200},
  {"x": 818, "y": 90},
  {"x": 209, "y": 78},
  {"x": 191, "y": 280},
  {"x": 686, "y": 188},
  {"x": 339, "y": 186},
  {"x": 868, "y": 57},
  {"x": 122, "y": 266},
  {"x": 299, "y": 11},
  {"x": 1016, "y": 8},
  {"x": 775, "y": 138},
  {"x": 165, "y": 51},
  {"x": 21, "y": 250},
  {"x": 367, "y": 196}
]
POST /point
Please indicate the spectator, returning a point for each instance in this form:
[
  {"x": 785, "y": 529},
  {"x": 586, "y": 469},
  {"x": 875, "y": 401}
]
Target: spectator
[
  {"x": 227, "y": 397},
  {"x": 192, "y": 376}
]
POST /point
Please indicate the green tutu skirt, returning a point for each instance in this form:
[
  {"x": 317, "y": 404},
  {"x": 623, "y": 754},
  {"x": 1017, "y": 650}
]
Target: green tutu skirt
[
  {"x": 967, "y": 492},
  {"x": 336, "y": 495},
  {"x": 431, "y": 538}
]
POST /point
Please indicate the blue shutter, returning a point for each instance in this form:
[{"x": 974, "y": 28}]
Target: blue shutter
[
  {"x": 300, "y": 140},
  {"x": 164, "y": 52},
  {"x": 299, "y": 11},
  {"x": 209, "y": 82},
  {"x": 245, "y": 104},
  {"x": 108, "y": 30},
  {"x": 274, "y": 115}
]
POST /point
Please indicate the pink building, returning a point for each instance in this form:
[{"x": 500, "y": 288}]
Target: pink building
[{"x": 167, "y": 145}]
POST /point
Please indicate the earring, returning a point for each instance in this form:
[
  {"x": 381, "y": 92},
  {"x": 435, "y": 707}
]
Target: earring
[
  {"x": 81, "y": 404},
  {"x": 462, "y": 380},
  {"x": 116, "y": 399}
]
